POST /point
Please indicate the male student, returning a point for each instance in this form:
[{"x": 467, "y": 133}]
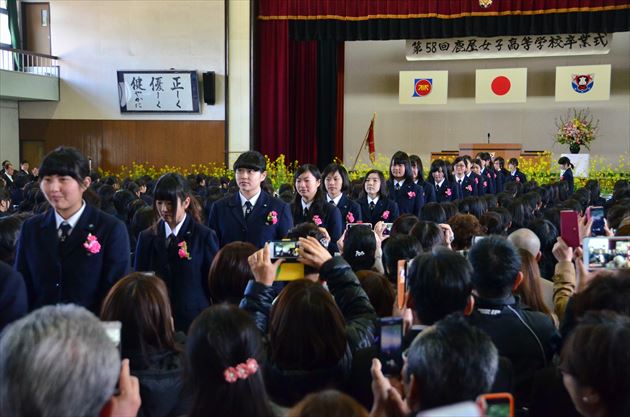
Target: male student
[{"x": 251, "y": 215}]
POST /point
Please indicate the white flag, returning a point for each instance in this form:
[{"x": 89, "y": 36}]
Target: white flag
[
  {"x": 501, "y": 85},
  {"x": 423, "y": 87},
  {"x": 583, "y": 83}
]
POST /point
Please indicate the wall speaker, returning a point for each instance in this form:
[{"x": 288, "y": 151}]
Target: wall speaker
[{"x": 208, "y": 87}]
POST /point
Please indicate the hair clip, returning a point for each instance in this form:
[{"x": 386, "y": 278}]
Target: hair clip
[
  {"x": 241, "y": 371},
  {"x": 359, "y": 253}
]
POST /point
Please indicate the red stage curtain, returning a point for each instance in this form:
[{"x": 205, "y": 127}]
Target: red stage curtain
[
  {"x": 303, "y": 101},
  {"x": 341, "y": 59}
]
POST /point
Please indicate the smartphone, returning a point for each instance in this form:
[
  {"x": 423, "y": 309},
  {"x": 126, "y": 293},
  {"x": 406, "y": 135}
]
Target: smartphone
[
  {"x": 607, "y": 252},
  {"x": 476, "y": 239},
  {"x": 569, "y": 228},
  {"x": 112, "y": 329},
  {"x": 401, "y": 283},
  {"x": 349, "y": 225},
  {"x": 499, "y": 404},
  {"x": 388, "y": 229},
  {"x": 390, "y": 345},
  {"x": 286, "y": 249},
  {"x": 290, "y": 271},
  {"x": 597, "y": 214}
]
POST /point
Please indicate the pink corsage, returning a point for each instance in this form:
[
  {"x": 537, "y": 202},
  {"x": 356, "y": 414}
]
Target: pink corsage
[
  {"x": 385, "y": 215},
  {"x": 485, "y": 184},
  {"x": 561, "y": 177},
  {"x": 518, "y": 179},
  {"x": 489, "y": 176},
  {"x": 183, "y": 251},
  {"x": 240, "y": 371},
  {"x": 317, "y": 220},
  {"x": 272, "y": 217},
  {"x": 350, "y": 217},
  {"x": 476, "y": 180},
  {"x": 411, "y": 194},
  {"x": 92, "y": 244},
  {"x": 469, "y": 187},
  {"x": 449, "y": 192}
]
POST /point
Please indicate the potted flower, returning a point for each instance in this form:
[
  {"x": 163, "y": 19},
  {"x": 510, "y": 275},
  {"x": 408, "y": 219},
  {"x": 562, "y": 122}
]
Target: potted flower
[{"x": 576, "y": 130}]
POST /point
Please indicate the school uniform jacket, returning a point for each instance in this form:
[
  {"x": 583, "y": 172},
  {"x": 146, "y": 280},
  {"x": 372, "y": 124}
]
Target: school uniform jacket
[
  {"x": 185, "y": 278},
  {"x": 330, "y": 218},
  {"x": 487, "y": 182},
  {"x": 385, "y": 210},
  {"x": 429, "y": 191},
  {"x": 228, "y": 220},
  {"x": 67, "y": 272},
  {"x": 568, "y": 177},
  {"x": 347, "y": 206},
  {"x": 447, "y": 192},
  {"x": 518, "y": 177},
  {"x": 410, "y": 197},
  {"x": 468, "y": 187},
  {"x": 13, "y": 304}
]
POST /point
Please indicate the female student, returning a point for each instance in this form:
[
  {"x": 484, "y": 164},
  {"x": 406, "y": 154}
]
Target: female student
[
  {"x": 401, "y": 188},
  {"x": 444, "y": 189},
  {"x": 310, "y": 205},
  {"x": 566, "y": 173},
  {"x": 178, "y": 248},
  {"x": 375, "y": 206},
  {"x": 418, "y": 177},
  {"x": 72, "y": 253},
  {"x": 336, "y": 185}
]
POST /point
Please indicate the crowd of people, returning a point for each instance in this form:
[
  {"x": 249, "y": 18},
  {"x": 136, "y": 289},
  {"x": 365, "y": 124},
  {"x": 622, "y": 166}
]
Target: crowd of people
[{"x": 213, "y": 322}]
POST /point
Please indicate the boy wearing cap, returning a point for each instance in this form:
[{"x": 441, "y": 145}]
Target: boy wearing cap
[{"x": 251, "y": 215}]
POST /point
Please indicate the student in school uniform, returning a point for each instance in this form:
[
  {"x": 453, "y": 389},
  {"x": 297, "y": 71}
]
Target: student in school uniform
[
  {"x": 251, "y": 215},
  {"x": 336, "y": 186},
  {"x": 444, "y": 189},
  {"x": 466, "y": 185},
  {"x": 418, "y": 178},
  {"x": 485, "y": 182},
  {"x": 375, "y": 205},
  {"x": 474, "y": 177},
  {"x": 310, "y": 205},
  {"x": 487, "y": 172},
  {"x": 515, "y": 174},
  {"x": 408, "y": 195},
  {"x": 566, "y": 173},
  {"x": 178, "y": 248},
  {"x": 73, "y": 253}
]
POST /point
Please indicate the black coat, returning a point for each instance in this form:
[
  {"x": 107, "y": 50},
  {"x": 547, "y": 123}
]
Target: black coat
[
  {"x": 13, "y": 304},
  {"x": 385, "y": 210},
  {"x": 410, "y": 197},
  {"x": 347, "y": 206},
  {"x": 329, "y": 216},
  {"x": 568, "y": 177}
]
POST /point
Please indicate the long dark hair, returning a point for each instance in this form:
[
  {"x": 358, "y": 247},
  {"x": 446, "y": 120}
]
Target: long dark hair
[
  {"x": 171, "y": 187},
  {"x": 221, "y": 337},
  {"x": 416, "y": 161},
  {"x": 382, "y": 191},
  {"x": 401, "y": 158},
  {"x": 565, "y": 161},
  {"x": 318, "y": 200}
]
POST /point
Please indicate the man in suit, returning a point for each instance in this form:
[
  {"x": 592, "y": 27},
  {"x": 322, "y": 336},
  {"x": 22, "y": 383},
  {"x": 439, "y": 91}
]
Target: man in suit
[
  {"x": 251, "y": 215},
  {"x": 13, "y": 304},
  {"x": 9, "y": 175}
]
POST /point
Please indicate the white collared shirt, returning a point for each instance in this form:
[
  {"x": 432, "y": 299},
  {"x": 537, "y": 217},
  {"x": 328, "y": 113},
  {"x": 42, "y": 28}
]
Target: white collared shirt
[
  {"x": 169, "y": 232},
  {"x": 335, "y": 200},
  {"x": 562, "y": 171},
  {"x": 439, "y": 184},
  {"x": 399, "y": 183},
  {"x": 458, "y": 179},
  {"x": 72, "y": 220},
  {"x": 252, "y": 200},
  {"x": 375, "y": 201},
  {"x": 306, "y": 206}
]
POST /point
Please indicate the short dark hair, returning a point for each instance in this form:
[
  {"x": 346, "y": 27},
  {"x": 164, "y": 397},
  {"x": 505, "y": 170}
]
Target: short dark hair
[
  {"x": 596, "y": 355},
  {"x": 230, "y": 272},
  {"x": 359, "y": 248},
  {"x": 329, "y": 403},
  {"x": 10, "y": 227},
  {"x": 331, "y": 169},
  {"x": 513, "y": 161},
  {"x": 382, "y": 191},
  {"x": 433, "y": 212},
  {"x": 252, "y": 160},
  {"x": 452, "y": 362},
  {"x": 440, "y": 283},
  {"x": 397, "y": 248},
  {"x": 428, "y": 234},
  {"x": 65, "y": 161},
  {"x": 496, "y": 263},
  {"x": 610, "y": 290},
  {"x": 403, "y": 224},
  {"x": 171, "y": 187},
  {"x": 401, "y": 158},
  {"x": 379, "y": 290}
]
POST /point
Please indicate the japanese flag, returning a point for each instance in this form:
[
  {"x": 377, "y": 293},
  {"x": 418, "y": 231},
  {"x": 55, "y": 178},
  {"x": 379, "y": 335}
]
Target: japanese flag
[
  {"x": 503, "y": 85},
  {"x": 583, "y": 83},
  {"x": 423, "y": 87}
]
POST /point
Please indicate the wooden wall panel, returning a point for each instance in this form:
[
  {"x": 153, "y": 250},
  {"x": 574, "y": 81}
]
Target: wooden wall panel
[{"x": 112, "y": 143}]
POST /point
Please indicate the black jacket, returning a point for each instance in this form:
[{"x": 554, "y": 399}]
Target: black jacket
[{"x": 287, "y": 387}]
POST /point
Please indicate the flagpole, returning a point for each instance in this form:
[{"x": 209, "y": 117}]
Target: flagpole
[{"x": 364, "y": 141}]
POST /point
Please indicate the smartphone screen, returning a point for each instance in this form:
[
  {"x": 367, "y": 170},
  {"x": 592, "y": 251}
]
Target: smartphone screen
[
  {"x": 287, "y": 249},
  {"x": 497, "y": 404},
  {"x": 350, "y": 225},
  {"x": 569, "y": 228},
  {"x": 607, "y": 252},
  {"x": 112, "y": 329},
  {"x": 388, "y": 229},
  {"x": 597, "y": 227},
  {"x": 476, "y": 239},
  {"x": 390, "y": 345}
]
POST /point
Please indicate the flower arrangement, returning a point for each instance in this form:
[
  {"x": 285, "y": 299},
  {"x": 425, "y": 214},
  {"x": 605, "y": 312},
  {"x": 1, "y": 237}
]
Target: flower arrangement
[{"x": 577, "y": 129}]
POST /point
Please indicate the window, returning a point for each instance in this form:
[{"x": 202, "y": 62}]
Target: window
[{"x": 5, "y": 35}]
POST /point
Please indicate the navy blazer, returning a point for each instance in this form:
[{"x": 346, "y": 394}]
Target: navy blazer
[
  {"x": 186, "y": 279},
  {"x": 346, "y": 206},
  {"x": 13, "y": 300},
  {"x": 228, "y": 221},
  {"x": 407, "y": 203},
  {"x": 447, "y": 192},
  {"x": 517, "y": 174},
  {"x": 468, "y": 186},
  {"x": 568, "y": 177},
  {"x": 378, "y": 214},
  {"x": 330, "y": 217},
  {"x": 487, "y": 182},
  {"x": 429, "y": 191},
  {"x": 68, "y": 273}
]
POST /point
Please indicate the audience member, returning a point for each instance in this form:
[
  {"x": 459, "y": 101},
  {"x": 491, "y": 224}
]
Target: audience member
[
  {"x": 230, "y": 273},
  {"x": 329, "y": 403},
  {"x": 397, "y": 248},
  {"x": 359, "y": 248},
  {"x": 465, "y": 227},
  {"x": 379, "y": 290}
]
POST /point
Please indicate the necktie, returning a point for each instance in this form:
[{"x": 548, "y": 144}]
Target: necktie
[
  {"x": 248, "y": 208},
  {"x": 372, "y": 205},
  {"x": 437, "y": 187},
  {"x": 305, "y": 212},
  {"x": 171, "y": 241},
  {"x": 397, "y": 186},
  {"x": 65, "y": 232},
  {"x": 332, "y": 202},
  {"x": 459, "y": 182}
]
